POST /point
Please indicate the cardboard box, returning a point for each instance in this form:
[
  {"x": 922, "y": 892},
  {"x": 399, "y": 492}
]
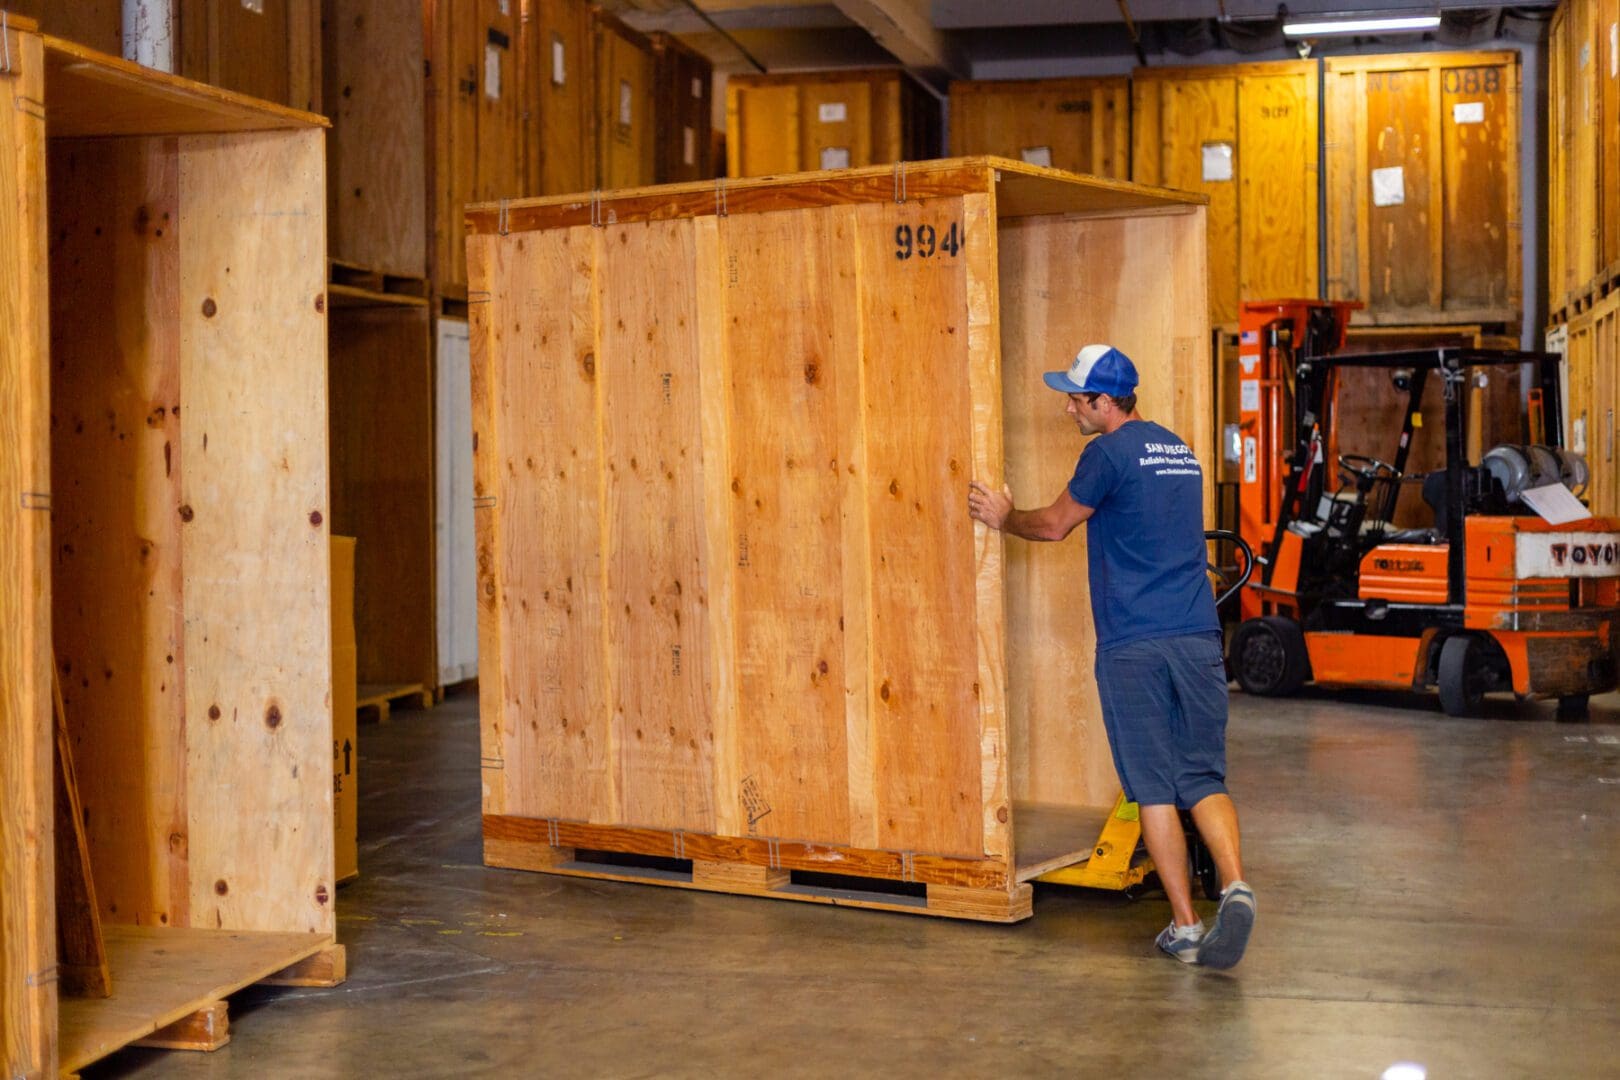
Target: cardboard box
[{"x": 345, "y": 749}]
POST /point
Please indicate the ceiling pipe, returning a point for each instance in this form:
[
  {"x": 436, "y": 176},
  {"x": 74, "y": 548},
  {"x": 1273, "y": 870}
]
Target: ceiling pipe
[
  {"x": 1130, "y": 27},
  {"x": 735, "y": 44}
]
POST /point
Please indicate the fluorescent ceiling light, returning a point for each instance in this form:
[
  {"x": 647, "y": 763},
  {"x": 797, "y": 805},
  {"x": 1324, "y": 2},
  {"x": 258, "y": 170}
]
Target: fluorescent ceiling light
[{"x": 1400, "y": 23}]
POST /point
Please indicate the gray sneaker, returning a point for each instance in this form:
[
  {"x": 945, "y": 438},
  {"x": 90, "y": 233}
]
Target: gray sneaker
[
  {"x": 1223, "y": 946},
  {"x": 1179, "y": 943}
]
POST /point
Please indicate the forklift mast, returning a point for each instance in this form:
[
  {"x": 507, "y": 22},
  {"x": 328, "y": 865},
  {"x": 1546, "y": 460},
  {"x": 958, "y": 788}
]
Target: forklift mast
[{"x": 1273, "y": 336}]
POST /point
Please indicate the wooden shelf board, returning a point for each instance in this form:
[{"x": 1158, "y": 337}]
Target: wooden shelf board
[
  {"x": 354, "y": 296},
  {"x": 374, "y": 694},
  {"x": 1048, "y": 837},
  {"x": 161, "y": 974}
]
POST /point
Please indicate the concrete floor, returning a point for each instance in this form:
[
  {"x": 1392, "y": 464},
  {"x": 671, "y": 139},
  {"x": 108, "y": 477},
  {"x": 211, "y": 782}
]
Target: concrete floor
[{"x": 1431, "y": 890}]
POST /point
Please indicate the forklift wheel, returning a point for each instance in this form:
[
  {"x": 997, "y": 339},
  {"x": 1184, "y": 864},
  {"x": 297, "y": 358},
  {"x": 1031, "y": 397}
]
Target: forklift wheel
[
  {"x": 1464, "y": 673},
  {"x": 1268, "y": 656},
  {"x": 1573, "y": 707}
]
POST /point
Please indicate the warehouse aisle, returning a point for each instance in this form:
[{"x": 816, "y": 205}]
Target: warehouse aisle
[{"x": 1438, "y": 891}]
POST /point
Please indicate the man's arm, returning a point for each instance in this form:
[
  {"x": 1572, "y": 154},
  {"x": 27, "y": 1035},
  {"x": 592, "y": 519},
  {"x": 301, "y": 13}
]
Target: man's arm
[{"x": 995, "y": 509}]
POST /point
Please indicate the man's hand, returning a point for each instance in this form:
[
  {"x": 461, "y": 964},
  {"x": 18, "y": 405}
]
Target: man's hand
[{"x": 990, "y": 507}]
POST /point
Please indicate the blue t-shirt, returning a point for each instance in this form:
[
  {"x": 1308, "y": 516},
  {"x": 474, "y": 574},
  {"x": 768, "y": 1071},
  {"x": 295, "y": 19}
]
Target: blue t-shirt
[{"x": 1145, "y": 539}]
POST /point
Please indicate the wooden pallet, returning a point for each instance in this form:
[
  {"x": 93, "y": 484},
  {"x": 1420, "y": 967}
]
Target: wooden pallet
[
  {"x": 352, "y": 285},
  {"x": 169, "y": 986},
  {"x": 381, "y": 696},
  {"x": 1050, "y": 838}
]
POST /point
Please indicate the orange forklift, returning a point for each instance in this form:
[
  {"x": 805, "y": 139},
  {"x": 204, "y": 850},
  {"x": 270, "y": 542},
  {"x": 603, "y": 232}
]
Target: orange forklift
[{"x": 1490, "y": 596}]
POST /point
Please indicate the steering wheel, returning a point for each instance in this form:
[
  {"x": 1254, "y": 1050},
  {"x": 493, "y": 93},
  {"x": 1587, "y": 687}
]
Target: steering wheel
[{"x": 1368, "y": 468}]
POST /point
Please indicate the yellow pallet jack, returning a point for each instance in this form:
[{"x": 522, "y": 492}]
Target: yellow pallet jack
[{"x": 1118, "y": 859}]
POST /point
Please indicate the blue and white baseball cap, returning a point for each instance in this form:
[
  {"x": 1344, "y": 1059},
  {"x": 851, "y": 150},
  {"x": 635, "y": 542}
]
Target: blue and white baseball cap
[{"x": 1097, "y": 369}]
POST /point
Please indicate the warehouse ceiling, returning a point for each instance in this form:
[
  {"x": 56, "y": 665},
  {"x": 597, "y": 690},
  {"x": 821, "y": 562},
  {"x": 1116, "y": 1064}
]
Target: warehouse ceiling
[{"x": 946, "y": 39}]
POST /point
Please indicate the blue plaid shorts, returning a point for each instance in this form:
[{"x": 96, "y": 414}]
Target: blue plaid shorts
[{"x": 1164, "y": 706}]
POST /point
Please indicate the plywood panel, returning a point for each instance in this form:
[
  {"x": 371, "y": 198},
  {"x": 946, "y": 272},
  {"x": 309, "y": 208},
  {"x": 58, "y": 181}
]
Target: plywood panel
[
  {"x": 117, "y": 475},
  {"x": 626, "y": 107},
  {"x": 685, "y": 82},
  {"x": 1246, "y": 136},
  {"x": 95, "y": 23},
  {"x": 654, "y": 554},
  {"x": 381, "y": 423},
  {"x": 790, "y": 304},
  {"x": 1608, "y": 51},
  {"x": 257, "y": 643},
  {"x": 377, "y": 172},
  {"x": 1558, "y": 136},
  {"x": 27, "y": 890},
  {"x": 544, "y": 669},
  {"x": 918, "y": 445},
  {"x": 269, "y": 50},
  {"x": 1082, "y": 125},
  {"x": 1425, "y": 178},
  {"x": 823, "y": 120},
  {"x": 560, "y": 89}
]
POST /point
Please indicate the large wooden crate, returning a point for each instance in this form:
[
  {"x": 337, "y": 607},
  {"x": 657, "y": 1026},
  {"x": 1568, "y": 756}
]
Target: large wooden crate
[
  {"x": 733, "y": 614},
  {"x": 1082, "y": 125},
  {"x": 268, "y": 49},
  {"x": 163, "y": 478},
  {"x": 376, "y": 151},
  {"x": 475, "y": 121},
  {"x": 1423, "y": 187},
  {"x": 1583, "y": 154},
  {"x": 1245, "y": 135},
  {"x": 685, "y": 111},
  {"x": 559, "y": 93},
  {"x": 95, "y": 23},
  {"x": 805, "y": 121},
  {"x": 1594, "y": 395},
  {"x": 626, "y": 106}
]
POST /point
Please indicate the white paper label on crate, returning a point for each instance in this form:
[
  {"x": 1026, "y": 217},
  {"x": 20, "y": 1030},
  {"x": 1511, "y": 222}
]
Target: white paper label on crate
[
  {"x": 1217, "y": 162},
  {"x": 506, "y": 7},
  {"x": 627, "y": 98},
  {"x": 689, "y": 146},
  {"x": 1389, "y": 186},
  {"x": 1614, "y": 50},
  {"x": 1233, "y": 441},
  {"x": 1562, "y": 555},
  {"x": 492, "y": 72},
  {"x": 1577, "y": 435},
  {"x": 835, "y": 157},
  {"x": 1468, "y": 112},
  {"x": 1249, "y": 392},
  {"x": 832, "y": 112},
  {"x": 1586, "y": 53},
  {"x": 559, "y": 65},
  {"x": 697, "y": 87},
  {"x": 255, "y": 6},
  {"x": 1037, "y": 155},
  {"x": 1251, "y": 471}
]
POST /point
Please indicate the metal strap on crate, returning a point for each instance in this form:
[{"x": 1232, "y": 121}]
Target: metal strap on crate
[
  {"x": 596, "y": 209},
  {"x": 773, "y": 851},
  {"x": 552, "y": 833},
  {"x": 5, "y": 44},
  {"x": 899, "y": 181},
  {"x": 680, "y": 844},
  {"x": 720, "y": 207},
  {"x": 908, "y": 866},
  {"x": 503, "y": 219}
]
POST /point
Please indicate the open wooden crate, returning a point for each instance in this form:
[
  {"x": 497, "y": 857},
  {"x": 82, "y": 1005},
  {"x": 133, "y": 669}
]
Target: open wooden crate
[
  {"x": 163, "y": 496},
  {"x": 737, "y": 631}
]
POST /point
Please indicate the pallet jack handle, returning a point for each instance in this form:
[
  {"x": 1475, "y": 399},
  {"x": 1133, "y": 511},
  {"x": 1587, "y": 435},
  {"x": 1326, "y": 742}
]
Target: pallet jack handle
[{"x": 1248, "y": 562}]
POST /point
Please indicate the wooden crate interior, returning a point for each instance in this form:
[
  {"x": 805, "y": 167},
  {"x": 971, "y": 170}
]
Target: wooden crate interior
[
  {"x": 380, "y": 375},
  {"x": 187, "y": 592}
]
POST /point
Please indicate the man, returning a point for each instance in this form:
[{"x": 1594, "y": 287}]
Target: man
[{"x": 1159, "y": 666}]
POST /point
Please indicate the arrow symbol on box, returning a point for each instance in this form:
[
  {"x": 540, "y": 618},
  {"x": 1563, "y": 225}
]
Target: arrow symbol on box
[{"x": 348, "y": 747}]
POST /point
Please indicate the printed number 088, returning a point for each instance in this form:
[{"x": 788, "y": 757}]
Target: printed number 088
[{"x": 924, "y": 242}]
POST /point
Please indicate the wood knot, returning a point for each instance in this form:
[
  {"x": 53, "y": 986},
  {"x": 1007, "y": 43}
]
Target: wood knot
[
  {"x": 321, "y": 895},
  {"x": 272, "y": 717},
  {"x": 320, "y": 303},
  {"x": 209, "y": 308},
  {"x": 883, "y": 691},
  {"x": 186, "y": 513},
  {"x": 315, "y": 517},
  {"x": 1001, "y": 814},
  {"x": 213, "y": 712},
  {"x": 221, "y": 888}
]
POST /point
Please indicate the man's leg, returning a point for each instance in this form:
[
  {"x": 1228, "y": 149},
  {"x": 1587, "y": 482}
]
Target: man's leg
[
  {"x": 1217, "y": 820},
  {"x": 1167, "y": 843}
]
